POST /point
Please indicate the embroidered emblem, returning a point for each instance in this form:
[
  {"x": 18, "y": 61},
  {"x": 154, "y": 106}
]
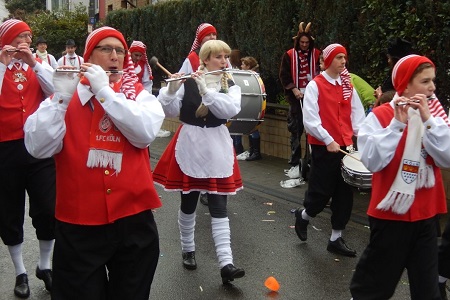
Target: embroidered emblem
[
  {"x": 105, "y": 124},
  {"x": 410, "y": 169}
]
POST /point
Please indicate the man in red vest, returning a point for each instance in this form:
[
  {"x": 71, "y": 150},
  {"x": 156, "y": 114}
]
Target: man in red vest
[
  {"x": 332, "y": 114},
  {"x": 98, "y": 130},
  {"x": 24, "y": 83}
]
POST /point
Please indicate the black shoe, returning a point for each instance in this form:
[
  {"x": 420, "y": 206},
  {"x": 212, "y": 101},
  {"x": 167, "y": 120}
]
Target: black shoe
[
  {"x": 339, "y": 247},
  {"x": 443, "y": 291},
  {"x": 230, "y": 272},
  {"x": 22, "y": 290},
  {"x": 204, "y": 199},
  {"x": 189, "y": 260},
  {"x": 301, "y": 226},
  {"x": 46, "y": 276}
]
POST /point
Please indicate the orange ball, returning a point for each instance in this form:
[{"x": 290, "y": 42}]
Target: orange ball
[{"x": 272, "y": 284}]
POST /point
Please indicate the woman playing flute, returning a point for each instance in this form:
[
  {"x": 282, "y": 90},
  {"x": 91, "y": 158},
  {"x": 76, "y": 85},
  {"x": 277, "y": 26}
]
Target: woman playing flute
[{"x": 200, "y": 157}]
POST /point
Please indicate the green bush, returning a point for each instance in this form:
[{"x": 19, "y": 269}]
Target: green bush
[{"x": 264, "y": 29}]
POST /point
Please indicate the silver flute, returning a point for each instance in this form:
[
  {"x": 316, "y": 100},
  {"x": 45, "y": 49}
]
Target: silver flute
[
  {"x": 189, "y": 75},
  {"x": 17, "y": 50},
  {"x": 414, "y": 101},
  {"x": 78, "y": 71}
]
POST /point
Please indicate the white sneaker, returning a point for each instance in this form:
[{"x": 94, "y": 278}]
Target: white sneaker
[
  {"x": 291, "y": 183},
  {"x": 293, "y": 172},
  {"x": 163, "y": 133},
  {"x": 243, "y": 155}
]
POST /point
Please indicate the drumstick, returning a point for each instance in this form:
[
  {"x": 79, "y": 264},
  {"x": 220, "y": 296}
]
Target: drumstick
[{"x": 349, "y": 155}]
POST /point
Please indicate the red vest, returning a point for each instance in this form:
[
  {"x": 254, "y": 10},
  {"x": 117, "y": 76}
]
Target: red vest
[
  {"x": 335, "y": 113},
  {"x": 95, "y": 196},
  {"x": 427, "y": 202},
  {"x": 18, "y": 100},
  {"x": 194, "y": 60}
]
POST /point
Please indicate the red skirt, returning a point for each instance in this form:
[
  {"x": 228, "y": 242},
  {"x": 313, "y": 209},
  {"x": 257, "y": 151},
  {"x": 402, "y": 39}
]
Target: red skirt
[{"x": 168, "y": 174}]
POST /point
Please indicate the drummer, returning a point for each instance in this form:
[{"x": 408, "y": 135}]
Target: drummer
[
  {"x": 330, "y": 133},
  {"x": 200, "y": 157}
]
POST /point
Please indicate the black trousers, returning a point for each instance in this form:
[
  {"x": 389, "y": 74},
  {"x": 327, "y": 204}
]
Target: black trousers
[
  {"x": 325, "y": 182},
  {"x": 217, "y": 204},
  {"x": 444, "y": 252},
  {"x": 20, "y": 173},
  {"x": 113, "y": 261},
  {"x": 394, "y": 246},
  {"x": 295, "y": 127}
]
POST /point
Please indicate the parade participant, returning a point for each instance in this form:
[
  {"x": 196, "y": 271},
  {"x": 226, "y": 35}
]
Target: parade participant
[
  {"x": 71, "y": 58},
  {"x": 332, "y": 115},
  {"x": 204, "y": 33},
  {"x": 24, "y": 83},
  {"x": 299, "y": 65},
  {"x": 404, "y": 143},
  {"x": 254, "y": 139},
  {"x": 41, "y": 52},
  {"x": 142, "y": 68},
  {"x": 200, "y": 157},
  {"x": 98, "y": 130}
]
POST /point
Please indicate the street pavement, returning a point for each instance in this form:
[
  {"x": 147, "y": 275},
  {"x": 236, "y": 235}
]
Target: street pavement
[{"x": 264, "y": 243}]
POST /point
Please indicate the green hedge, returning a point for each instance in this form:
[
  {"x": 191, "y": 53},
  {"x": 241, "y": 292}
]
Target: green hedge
[{"x": 264, "y": 29}]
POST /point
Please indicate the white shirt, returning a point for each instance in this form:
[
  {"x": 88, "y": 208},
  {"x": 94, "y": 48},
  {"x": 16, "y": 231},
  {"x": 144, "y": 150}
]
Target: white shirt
[
  {"x": 377, "y": 145},
  {"x": 139, "y": 121},
  {"x": 76, "y": 60},
  {"x": 311, "y": 117}
]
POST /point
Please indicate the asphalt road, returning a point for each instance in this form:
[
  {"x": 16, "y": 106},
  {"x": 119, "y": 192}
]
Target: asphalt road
[{"x": 264, "y": 243}]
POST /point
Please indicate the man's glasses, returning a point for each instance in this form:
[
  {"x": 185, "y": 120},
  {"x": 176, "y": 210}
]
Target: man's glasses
[
  {"x": 25, "y": 35},
  {"x": 109, "y": 50}
]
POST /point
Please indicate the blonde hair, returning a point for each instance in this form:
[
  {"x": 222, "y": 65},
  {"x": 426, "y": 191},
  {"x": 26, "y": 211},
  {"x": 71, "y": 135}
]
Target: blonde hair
[{"x": 212, "y": 47}]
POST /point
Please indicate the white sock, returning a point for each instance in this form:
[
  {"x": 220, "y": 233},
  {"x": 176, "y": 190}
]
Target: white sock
[
  {"x": 186, "y": 224},
  {"x": 17, "y": 259},
  {"x": 335, "y": 234},
  {"x": 222, "y": 240},
  {"x": 305, "y": 216},
  {"x": 45, "y": 254},
  {"x": 442, "y": 279}
]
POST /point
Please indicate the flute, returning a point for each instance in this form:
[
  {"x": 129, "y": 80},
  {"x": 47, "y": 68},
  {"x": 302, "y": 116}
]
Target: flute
[
  {"x": 189, "y": 75},
  {"x": 414, "y": 101},
  {"x": 78, "y": 71},
  {"x": 17, "y": 50}
]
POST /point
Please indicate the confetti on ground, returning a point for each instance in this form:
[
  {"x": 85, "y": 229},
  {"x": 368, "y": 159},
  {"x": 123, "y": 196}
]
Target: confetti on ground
[
  {"x": 268, "y": 220},
  {"x": 291, "y": 226},
  {"x": 271, "y": 212},
  {"x": 336, "y": 260},
  {"x": 268, "y": 203},
  {"x": 201, "y": 289},
  {"x": 318, "y": 229}
]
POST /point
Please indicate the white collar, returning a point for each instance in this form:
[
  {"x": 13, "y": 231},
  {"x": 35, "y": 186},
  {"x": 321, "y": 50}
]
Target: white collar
[
  {"x": 24, "y": 65},
  {"x": 332, "y": 80}
]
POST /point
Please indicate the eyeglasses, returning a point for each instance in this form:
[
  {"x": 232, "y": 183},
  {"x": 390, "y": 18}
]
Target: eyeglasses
[
  {"x": 25, "y": 35},
  {"x": 109, "y": 50}
]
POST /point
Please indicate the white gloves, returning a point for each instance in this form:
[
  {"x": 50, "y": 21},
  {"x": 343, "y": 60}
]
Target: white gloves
[
  {"x": 174, "y": 86},
  {"x": 97, "y": 78},
  {"x": 201, "y": 84},
  {"x": 65, "y": 84}
]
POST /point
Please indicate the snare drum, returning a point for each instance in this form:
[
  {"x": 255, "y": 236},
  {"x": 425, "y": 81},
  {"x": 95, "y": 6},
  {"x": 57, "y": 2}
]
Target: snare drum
[
  {"x": 355, "y": 173},
  {"x": 253, "y": 102}
]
